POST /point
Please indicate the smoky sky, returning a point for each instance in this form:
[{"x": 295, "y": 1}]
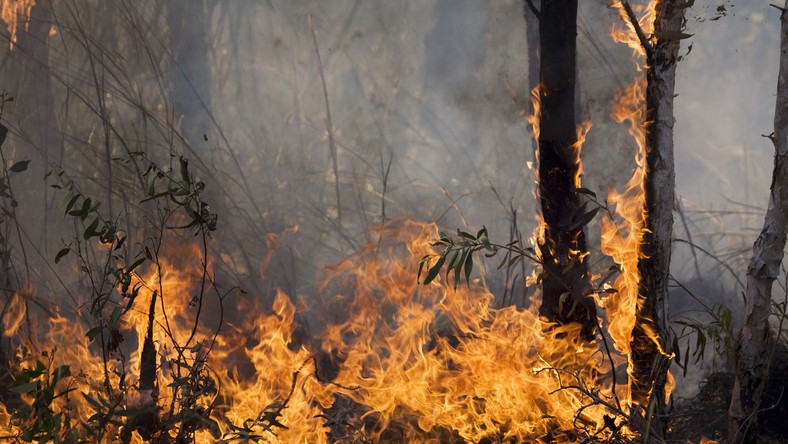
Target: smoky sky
[{"x": 428, "y": 102}]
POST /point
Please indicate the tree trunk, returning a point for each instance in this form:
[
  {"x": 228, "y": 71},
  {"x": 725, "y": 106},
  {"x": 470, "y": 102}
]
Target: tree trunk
[
  {"x": 752, "y": 368},
  {"x": 650, "y": 355},
  {"x": 562, "y": 245}
]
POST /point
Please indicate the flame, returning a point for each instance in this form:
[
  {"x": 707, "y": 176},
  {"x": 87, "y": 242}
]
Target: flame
[
  {"x": 421, "y": 363},
  {"x": 582, "y": 132},
  {"x": 15, "y": 13},
  {"x": 447, "y": 359}
]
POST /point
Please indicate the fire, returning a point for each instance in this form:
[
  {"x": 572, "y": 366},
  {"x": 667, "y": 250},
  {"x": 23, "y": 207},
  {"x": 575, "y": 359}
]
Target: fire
[
  {"x": 15, "y": 13},
  {"x": 449, "y": 361},
  {"x": 406, "y": 361}
]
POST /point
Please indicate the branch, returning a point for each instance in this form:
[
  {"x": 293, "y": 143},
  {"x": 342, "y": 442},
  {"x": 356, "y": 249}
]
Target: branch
[
  {"x": 533, "y": 9},
  {"x": 638, "y": 30}
]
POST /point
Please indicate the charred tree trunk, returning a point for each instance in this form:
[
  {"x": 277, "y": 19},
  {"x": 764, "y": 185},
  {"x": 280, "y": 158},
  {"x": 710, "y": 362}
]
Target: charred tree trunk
[
  {"x": 562, "y": 246},
  {"x": 650, "y": 355},
  {"x": 752, "y": 367}
]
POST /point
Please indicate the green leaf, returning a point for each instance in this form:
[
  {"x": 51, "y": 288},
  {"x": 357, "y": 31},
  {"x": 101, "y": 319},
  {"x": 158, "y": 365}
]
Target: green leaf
[
  {"x": 421, "y": 267},
  {"x": 61, "y": 372},
  {"x": 468, "y": 268},
  {"x": 24, "y": 388},
  {"x": 466, "y": 235},
  {"x": 90, "y": 231},
  {"x": 152, "y": 184},
  {"x": 120, "y": 242},
  {"x": 113, "y": 319},
  {"x": 136, "y": 264},
  {"x": 584, "y": 219},
  {"x": 93, "y": 332},
  {"x": 98, "y": 407},
  {"x": 185, "y": 171},
  {"x": 71, "y": 203},
  {"x": 585, "y": 191},
  {"x": 19, "y": 166},
  {"x": 433, "y": 272},
  {"x": 60, "y": 254}
]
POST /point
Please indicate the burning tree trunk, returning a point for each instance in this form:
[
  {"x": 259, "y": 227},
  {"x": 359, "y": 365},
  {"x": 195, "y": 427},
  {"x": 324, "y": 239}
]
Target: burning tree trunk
[
  {"x": 562, "y": 245},
  {"x": 767, "y": 256},
  {"x": 650, "y": 357}
]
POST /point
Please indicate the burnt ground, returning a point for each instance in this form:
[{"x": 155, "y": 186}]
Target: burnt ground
[{"x": 706, "y": 413}]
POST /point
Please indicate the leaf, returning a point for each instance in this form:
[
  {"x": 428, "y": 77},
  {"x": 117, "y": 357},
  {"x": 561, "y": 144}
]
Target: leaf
[
  {"x": 3, "y": 133},
  {"x": 71, "y": 202},
  {"x": 503, "y": 261},
  {"x": 24, "y": 388},
  {"x": 60, "y": 254},
  {"x": 93, "y": 332},
  {"x": 151, "y": 184},
  {"x": 61, "y": 372},
  {"x": 466, "y": 235},
  {"x": 433, "y": 272},
  {"x": 19, "y": 166},
  {"x": 453, "y": 260},
  {"x": 421, "y": 267},
  {"x": 185, "y": 171},
  {"x": 90, "y": 231},
  {"x": 583, "y": 220},
  {"x": 673, "y": 35},
  {"x": 468, "y": 268},
  {"x": 585, "y": 191},
  {"x": 92, "y": 402},
  {"x": 136, "y": 263},
  {"x": 113, "y": 319}
]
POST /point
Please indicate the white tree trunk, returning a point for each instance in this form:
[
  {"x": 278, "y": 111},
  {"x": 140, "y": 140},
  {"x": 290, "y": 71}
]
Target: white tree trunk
[
  {"x": 650, "y": 354},
  {"x": 767, "y": 255}
]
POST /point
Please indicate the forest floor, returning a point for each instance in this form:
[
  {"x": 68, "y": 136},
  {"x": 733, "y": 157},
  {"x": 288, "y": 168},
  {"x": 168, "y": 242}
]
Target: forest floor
[{"x": 705, "y": 415}]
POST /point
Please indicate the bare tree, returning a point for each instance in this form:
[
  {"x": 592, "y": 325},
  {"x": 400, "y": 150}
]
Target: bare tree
[{"x": 752, "y": 367}]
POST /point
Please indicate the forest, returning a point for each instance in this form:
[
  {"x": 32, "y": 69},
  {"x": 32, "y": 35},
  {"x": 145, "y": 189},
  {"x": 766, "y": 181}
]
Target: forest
[{"x": 433, "y": 221}]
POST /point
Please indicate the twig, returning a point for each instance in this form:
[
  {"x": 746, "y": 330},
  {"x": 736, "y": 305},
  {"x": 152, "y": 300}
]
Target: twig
[
  {"x": 533, "y": 9},
  {"x": 638, "y": 30},
  {"x": 329, "y": 125}
]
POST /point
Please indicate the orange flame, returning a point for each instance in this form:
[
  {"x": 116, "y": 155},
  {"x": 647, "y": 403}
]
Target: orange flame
[{"x": 15, "y": 13}]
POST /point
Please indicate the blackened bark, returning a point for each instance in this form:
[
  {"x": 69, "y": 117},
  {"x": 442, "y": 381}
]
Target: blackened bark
[
  {"x": 566, "y": 284},
  {"x": 650, "y": 348},
  {"x": 753, "y": 357}
]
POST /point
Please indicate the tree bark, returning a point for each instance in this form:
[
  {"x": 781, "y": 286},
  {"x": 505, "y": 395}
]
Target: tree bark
[
  {"x": 753, "y": 356},
  {"x": 562, "y": 245},
  {"x": 650, "y": 356}
]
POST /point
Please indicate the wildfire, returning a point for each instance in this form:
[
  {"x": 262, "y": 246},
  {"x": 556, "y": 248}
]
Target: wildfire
[
  {"x": 14, "y": 13},
  {"x": 413, "y": 363}
]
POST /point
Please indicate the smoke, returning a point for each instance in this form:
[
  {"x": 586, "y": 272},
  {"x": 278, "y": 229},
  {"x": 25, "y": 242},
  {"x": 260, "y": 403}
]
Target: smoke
[{"x": 427, "y": 99}]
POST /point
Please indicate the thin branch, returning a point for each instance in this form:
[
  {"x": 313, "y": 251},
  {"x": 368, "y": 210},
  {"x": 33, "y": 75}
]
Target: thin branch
[
  {"x": 329, "y": 125},
  {"x": 638, "y": 30},
  {"x": 533, "y": 9}
]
